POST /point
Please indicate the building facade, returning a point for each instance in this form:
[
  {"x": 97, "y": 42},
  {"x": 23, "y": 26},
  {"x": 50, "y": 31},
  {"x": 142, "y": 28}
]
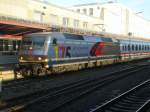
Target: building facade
[
  {"x": 117, "y": 18},
  {"x": 43, "y": 12}
]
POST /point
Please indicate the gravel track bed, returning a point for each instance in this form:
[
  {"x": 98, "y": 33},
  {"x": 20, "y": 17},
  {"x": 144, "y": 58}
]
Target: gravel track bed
[
  {"x": 85, "y": 104},
  {"x": 58, "y": 80}
]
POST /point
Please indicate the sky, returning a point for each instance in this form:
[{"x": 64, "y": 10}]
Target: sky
[{"x": 136, "y": 5}]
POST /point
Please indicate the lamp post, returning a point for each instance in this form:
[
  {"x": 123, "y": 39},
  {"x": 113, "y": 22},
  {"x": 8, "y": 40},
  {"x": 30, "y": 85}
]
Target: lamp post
[
  {"x": 130, "y": 34},
  {"x": 140, "y": 12}
]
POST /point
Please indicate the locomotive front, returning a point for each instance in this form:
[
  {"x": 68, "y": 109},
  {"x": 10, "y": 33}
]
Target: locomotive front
[{"x": 33, "y": 54}]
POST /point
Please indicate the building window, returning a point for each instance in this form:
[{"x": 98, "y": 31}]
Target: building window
[
  {"x": 102, "y": 14},
  {"x": 54, "y": 19},
  {"x": 91, "y": 11},
  {"x": 38, "y": 16},
  {"x": 78, "y": 10},
  {"x": 84, "y": 11},
  {"x": 66, "y": 21},
  {"x": 76, "y": 23},
  {"x": 85, "y": 24}
]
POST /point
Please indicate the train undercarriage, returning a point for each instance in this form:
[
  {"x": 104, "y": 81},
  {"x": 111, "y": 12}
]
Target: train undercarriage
[{"x": 41, "y": 69}]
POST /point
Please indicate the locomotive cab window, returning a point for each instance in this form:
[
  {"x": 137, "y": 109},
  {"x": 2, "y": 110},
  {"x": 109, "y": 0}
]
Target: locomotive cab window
[
  {"x": 54, "y": 42},
  {"x": 33, "y": 42}
]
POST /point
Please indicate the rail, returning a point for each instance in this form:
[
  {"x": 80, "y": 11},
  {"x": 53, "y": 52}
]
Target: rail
[{"x": 116, "y": 104}]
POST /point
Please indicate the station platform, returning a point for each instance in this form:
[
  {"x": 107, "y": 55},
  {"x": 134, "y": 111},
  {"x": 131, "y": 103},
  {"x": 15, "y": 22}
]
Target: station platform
[{"x": 6, "y": 72}]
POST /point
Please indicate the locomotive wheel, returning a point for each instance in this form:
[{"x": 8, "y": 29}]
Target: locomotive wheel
[
  {"x": 41, "y": 72},
  {"x": 23, "y": 72},
  {"x": 29, "y": 72}
]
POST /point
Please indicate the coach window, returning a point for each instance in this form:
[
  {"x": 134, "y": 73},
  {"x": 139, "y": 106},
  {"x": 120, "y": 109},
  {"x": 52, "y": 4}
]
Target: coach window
[
  {"x": 128, "y": 47},
  {"x": 142, "y": 47},
  {"x": 1, "y": 45},
  {"x": 132, "y": 47},
  {"x": 139, "y": 47},
  {"x": 18, "y": 44},
  {"x": 125, "y": 47},
  {"x": 122, "y": 47},
  {"x": 6, "y": 45},
  {"x": 10, "y": 45},
  {"x": 136, "y": 48},
  {"x": 145, "y": 47},
  {"x": 14, "y": 45}
]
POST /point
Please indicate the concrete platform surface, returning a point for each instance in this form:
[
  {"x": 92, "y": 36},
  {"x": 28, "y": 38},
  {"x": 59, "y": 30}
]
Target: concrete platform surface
[{"x": 6, "y": 72}]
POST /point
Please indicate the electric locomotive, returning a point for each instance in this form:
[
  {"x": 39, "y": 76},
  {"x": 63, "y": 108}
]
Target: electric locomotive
[{"x": 42, "y": 53}]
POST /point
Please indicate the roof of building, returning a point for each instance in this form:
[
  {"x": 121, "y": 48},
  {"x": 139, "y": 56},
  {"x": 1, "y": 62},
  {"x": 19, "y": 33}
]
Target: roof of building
[{"x": 93, "y": 4}]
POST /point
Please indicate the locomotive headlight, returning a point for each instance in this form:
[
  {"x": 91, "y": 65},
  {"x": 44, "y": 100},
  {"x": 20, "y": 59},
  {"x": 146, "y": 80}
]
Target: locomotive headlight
[
  {"x": 39, "y": 58},
  {"x": 21, "y": 58},
  {"x": 47, "y": 66},
  {"x": 46, "y": 60},
  {"x": 30, "y": 48}
]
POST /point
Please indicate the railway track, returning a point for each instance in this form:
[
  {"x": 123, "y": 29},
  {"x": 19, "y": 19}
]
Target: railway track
[
  {"x": 133, "y": 100},
  {"x": 34, "y": 85},
  {"x": 72, "y": 92},
  {"x": 22, "y": 83},
  {"x": 25, "y": 81}
]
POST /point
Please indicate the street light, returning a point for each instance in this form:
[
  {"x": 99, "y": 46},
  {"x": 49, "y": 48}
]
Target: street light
[{"x": 139, "y": 12}]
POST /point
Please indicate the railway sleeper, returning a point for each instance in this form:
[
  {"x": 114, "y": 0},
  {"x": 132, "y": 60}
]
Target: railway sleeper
[
  {"x": 114, "y": 109},
  {"x": 131, "y": 107},
  {"x": 127, "y": 104}
]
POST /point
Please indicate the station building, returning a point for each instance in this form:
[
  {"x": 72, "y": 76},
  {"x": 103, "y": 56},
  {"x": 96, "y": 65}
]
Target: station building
[
  {"x": 44, "y": 12},
  {"x": 117, "y": 18}
]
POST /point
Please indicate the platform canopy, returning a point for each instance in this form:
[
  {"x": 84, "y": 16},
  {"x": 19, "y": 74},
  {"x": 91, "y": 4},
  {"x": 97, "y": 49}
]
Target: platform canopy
[{"x": 19, "y": 27}]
